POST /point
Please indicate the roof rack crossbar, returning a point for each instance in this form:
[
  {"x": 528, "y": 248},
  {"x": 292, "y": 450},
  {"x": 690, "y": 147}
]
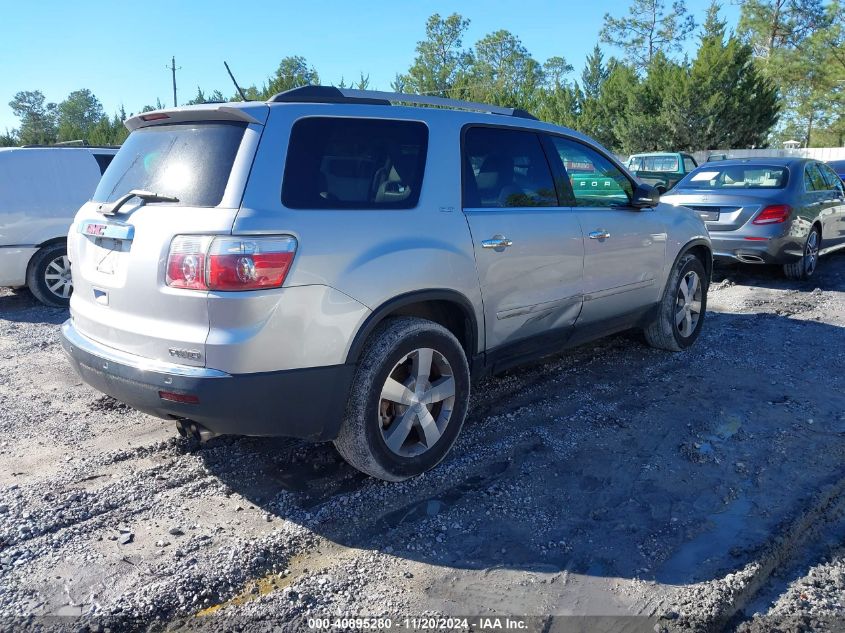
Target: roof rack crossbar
[{"x": 330, "y": 94}]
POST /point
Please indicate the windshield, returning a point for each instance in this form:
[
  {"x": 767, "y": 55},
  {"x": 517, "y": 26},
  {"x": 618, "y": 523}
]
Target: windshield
[
  {"x": 653, "y": 163},
  {"x": 736, "y": 177},
  {"x": 190, "y": 162}
]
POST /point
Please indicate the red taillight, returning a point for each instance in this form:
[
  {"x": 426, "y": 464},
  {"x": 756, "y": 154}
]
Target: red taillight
[
  {"x": 157, "y": 116},
  {"x": 774, "y": 214},
  {"x": 229, "y": 263}
]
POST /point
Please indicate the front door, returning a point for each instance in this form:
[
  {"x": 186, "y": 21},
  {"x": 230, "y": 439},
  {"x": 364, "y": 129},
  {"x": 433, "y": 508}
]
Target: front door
[
  {"x": 624, "y": 247},
  {"x": 529, "y": 251}
]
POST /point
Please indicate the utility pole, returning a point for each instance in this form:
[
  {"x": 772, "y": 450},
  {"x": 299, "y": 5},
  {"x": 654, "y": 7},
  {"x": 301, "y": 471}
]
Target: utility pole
[{"x": 172, "y": 68}]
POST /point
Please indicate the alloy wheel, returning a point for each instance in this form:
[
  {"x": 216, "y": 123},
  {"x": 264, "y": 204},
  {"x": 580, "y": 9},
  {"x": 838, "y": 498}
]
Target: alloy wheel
[
  {"x": 57, "y": 277},
  {"x": 416, "y": 402},
  {"x": 811, "y": 252},
  {"x": 688, "y": 304}
]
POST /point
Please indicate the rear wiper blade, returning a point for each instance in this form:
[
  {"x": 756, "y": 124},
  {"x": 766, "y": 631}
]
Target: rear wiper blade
[{"x": 111, "y": 208}]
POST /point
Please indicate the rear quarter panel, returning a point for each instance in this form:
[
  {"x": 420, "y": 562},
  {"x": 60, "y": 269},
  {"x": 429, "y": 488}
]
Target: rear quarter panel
[
  {"x": 683, "y": 228},
  {"x": 371, "y": 256}
]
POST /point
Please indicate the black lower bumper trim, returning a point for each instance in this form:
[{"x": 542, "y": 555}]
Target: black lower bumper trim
[{"x": 305, "y": 403}]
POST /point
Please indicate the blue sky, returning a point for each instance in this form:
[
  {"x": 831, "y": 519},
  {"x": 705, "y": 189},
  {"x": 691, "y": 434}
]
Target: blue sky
[{"x": 120, "y": 50}]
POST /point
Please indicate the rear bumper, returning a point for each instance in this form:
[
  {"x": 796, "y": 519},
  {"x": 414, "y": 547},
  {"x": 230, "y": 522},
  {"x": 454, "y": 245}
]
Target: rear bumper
[
  {"x": 737, "y": 248},
  {"x": 14, "y": 261},
  {"x": 304, "y": 403}
]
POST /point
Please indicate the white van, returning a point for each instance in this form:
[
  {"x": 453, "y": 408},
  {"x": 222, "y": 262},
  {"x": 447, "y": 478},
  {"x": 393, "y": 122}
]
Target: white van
[{"x": 41, "y": 189}]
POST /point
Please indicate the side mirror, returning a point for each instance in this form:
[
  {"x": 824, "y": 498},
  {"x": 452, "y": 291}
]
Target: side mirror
[{"x": 645, "y": 196}]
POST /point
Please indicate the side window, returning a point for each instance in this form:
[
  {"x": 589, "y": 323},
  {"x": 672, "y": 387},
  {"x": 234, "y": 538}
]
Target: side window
[
  {"x": 505, "y": 168},
  {"x": 689, "y": 164},
  {"x": 813, "y": 180},
  {"x": 340, "y": 163},
  {"x": 834, "y": 182},
  {"x": 103, "y": 161},
  {"x": 595, "y": 180}
]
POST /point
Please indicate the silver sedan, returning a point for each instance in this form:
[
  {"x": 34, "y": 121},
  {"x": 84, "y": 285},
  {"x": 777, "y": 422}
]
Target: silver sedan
[{"x": 786, "y": 211}]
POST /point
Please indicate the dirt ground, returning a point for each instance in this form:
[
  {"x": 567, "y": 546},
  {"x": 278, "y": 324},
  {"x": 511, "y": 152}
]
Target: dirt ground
[{"x": 640, "y": 489}]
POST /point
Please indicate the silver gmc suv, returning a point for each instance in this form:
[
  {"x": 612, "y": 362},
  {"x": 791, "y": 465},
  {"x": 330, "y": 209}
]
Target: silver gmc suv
[{"x": 329, "y": 266}]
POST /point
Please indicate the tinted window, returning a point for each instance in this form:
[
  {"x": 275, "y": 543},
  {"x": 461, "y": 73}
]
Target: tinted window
[
  {"x": 813, "y": 179},
  {"x": 336, "y": 163},
  {"x": 832, "y": 179},
  {"x": 506, "y": 168},
  {"x": 595, "y": 180},
  {"x": 746, "y": 176},
  {"x": 190, "y": 161},
  {"x": 689, "y": 164},
  {"x": 103, "y": 160}
]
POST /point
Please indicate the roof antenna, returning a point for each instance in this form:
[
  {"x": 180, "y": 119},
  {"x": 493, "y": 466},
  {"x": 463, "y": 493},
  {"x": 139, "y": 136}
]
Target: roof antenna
[{"x": 243, "y": 96}]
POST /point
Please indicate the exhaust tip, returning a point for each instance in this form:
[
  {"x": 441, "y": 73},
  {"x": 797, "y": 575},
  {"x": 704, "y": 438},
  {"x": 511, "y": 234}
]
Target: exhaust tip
[{"x": 195, "y": 431}]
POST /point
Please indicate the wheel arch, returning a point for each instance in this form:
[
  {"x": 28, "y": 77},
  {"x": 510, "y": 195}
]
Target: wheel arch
[
  {"x": 53, "y": 241},
  {"x": 702, "y": 249},
  {"x": 449, "y": 308}
]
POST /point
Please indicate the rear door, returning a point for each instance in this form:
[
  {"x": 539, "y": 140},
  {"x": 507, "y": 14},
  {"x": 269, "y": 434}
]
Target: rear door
[
  {"x": 837, "y": 191},
  {"x": 120, "y": 295},
  {"x": 624, "y": 247},
  {"x": 529, "y": 250},
  {"x": 823, "y": 201}
]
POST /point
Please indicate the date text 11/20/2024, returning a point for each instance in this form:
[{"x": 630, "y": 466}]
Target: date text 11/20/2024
[{"x": 418, "y": 623}]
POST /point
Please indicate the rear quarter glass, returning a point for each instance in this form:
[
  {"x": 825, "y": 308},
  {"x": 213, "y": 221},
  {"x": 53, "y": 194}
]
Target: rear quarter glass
[
  {"x": 189, "y": 161},
  {"x": 348, "y": 163}
]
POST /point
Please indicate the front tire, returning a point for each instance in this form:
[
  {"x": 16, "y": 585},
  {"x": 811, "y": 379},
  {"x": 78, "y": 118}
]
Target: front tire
[
  {"x": 681, "y": 311},
  {"x": 48, "y": 276},
  {"x": 804, "y": 268},
  {"x": 408, "y": 400}
]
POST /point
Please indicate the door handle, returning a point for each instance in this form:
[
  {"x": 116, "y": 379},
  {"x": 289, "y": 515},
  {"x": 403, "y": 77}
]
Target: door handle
[
  {"x": 497, "y": 242},
  {"x": 601, "y": 234}
]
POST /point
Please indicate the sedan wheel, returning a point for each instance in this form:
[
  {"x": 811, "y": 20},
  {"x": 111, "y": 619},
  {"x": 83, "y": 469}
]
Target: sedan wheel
[{"x": 804, "y": 268}]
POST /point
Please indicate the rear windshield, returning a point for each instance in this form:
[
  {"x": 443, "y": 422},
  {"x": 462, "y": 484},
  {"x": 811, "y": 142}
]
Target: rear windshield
[
  {"x": 654, "y": 163},
  {"x": 190, "y": 161},
  {"x": 342, "y": 163},
  {"x": 712, "y": 176}
]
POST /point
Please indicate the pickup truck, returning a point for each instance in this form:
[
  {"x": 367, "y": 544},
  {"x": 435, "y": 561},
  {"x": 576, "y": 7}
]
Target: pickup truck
[{"x": 662, "y": 170}]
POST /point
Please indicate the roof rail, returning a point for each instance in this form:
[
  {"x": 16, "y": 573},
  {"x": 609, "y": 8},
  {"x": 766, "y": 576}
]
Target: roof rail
[
  {"x": 66, "y": 145},
  {"x": 330, "y": 94}
]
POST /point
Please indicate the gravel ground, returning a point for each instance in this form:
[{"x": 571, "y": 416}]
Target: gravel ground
[{"x": 695, "y": 491}]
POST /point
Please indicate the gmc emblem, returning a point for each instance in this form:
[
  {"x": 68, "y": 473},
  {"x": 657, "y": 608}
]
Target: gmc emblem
[{"x": 95, "y": 229}]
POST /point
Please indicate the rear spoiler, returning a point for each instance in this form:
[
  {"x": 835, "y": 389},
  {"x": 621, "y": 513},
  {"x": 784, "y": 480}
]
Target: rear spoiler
[{"x": 252, "y": 113}]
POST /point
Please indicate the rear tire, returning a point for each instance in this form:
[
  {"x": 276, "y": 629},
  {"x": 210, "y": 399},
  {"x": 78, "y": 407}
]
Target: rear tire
[
  {"x": 804, "y": 268},
  {"x": 681, "y": 311},
  {"x": 408, "y": 400},
  {"x": 48, "y": 276}
]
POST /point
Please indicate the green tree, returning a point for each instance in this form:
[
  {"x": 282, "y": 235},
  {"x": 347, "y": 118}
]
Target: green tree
[
  {"x": 38, "y": 119},
  {"x": 647, "y": 30},
  {"x": 440, "y": 59},
  {"x": 555, "y": 71},
  {"x": 293, "y": 72},
  {"x": 201, "y": 97},
  {"x": 769, "y": 26},
  {"x": 723, "y": 100},
  {"x": 78, "y": 114},
  {"x": 9, "y": 139},
  {"x": 503, "y": 72},
  {"x": 594, "y": 74}
]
